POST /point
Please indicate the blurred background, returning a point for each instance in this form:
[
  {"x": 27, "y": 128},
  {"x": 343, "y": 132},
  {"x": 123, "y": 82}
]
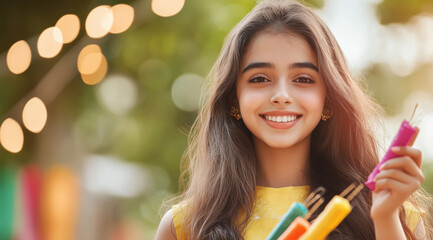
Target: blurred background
[{"x": 97, "y": 99}]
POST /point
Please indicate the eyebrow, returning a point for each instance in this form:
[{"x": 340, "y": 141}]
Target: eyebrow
[{"x": 270, "y": 65}]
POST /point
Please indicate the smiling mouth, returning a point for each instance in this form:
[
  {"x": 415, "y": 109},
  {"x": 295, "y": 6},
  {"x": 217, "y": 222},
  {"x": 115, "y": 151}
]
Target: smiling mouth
[{"x": 281, "y": 118}]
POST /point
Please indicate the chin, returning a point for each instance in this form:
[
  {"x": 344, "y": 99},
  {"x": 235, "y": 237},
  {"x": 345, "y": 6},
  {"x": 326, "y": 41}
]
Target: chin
[{"x": 274, "y": 144}]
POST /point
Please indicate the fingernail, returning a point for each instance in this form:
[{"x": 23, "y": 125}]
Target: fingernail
[
  {"x": 382, "y": 166},
  {"x": 395, "y": 149}
]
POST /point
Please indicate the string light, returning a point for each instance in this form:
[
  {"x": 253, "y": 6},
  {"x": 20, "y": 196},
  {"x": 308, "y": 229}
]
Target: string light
[
  {"x": 89, "y": 59},
  {"x": 50, "y": 42},
  {"x": 98, "y": 76},
  {"x": 167, "y": 8},
  {"x": 69, "y": 25},
  {"x": 92, "y": 64},
  {"x": 99, "y": 21},
  {"x": 34, "y": 115},
  {"x": 11, "y": 136},
  {"x": 19, "y": 57},
  {"x": 123, "y": 16}
]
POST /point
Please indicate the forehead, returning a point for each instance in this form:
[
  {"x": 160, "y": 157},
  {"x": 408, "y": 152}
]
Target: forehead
[{"x": 278, "y": 47}]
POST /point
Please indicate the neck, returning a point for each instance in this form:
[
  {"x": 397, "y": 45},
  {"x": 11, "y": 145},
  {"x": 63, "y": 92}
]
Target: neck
[{"x": 282, "y": 167}]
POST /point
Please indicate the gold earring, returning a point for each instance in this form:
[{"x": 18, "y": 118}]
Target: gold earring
[
  {"x": 327, "y": 114},
  {"x": 235, "y": 113}
]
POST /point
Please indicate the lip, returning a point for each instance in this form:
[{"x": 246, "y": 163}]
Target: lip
[
  {"x": 280, "y": 125},
  {"x": 280, "y": 113}
]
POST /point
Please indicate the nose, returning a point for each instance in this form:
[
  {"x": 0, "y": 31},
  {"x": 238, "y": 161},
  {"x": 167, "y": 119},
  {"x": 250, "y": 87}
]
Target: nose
[{"x": 281, "y": 95}]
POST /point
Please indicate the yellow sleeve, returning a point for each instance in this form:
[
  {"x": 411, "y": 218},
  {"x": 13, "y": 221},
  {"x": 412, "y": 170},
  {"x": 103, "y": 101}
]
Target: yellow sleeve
[
  {"x": 413, "y": 215},
  {"x": 178, "y": 217}
]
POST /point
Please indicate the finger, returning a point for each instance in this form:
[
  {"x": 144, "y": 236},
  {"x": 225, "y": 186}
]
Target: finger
[
  {"x": 405, "y": 164},
  {"x": 395, "y": 186},
  {"x": 388, "y": 184},
  {"x": 413, "y": 138},
  {"x": 394, "y": 174},
  {"x": 414, "y": 153}
]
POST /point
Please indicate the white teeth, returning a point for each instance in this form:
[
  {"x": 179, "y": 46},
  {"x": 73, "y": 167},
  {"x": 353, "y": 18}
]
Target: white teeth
[{"x": 285, "y": 118}]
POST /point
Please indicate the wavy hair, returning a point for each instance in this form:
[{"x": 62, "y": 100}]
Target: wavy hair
[{"x": 220, "y": 167}]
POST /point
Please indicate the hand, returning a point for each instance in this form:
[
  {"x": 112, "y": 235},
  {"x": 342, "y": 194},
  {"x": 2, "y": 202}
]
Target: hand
[{"x": 398, "y": 179}]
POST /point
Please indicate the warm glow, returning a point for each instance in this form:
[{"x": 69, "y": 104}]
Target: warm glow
[
  {"x": 35, "y": 115},
  {"x": 99, "y": 21},
  {"x": 19, "y": 57},
  {"x": 50, "y": 42},
  {"x": 69, "y": 25},
  {"x": 92, "y": 64},
  {"x": 11, "y": 136},
  {"x": 59, "y": 204},
  {"x": 98, "y": 75},
  {"x": 89, "y": 59},
  {"x": 167, "y": 8},
  {"x": 123, "y": 16}
]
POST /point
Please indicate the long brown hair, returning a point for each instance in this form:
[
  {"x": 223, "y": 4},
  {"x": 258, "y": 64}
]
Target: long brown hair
[{"x": 220, "y": 166}]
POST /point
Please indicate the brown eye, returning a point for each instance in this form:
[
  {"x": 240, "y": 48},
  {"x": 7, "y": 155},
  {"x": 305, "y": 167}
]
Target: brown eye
[
  {"x": 304, "y": 80},
  {"x": 258, "y": 80}
]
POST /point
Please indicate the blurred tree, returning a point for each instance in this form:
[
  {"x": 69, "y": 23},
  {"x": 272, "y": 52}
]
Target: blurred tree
[{"x": 400, "y": 11}]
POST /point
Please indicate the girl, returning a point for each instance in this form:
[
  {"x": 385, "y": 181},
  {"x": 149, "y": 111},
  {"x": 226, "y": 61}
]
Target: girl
[{"x": 284, "y": 116}]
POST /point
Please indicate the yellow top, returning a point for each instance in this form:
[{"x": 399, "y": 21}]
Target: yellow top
[{"x": 271, "y": 204}]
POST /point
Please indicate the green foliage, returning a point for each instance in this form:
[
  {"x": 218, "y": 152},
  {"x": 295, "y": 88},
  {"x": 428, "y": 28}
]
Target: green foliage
[{"x": 400, "y": 11}]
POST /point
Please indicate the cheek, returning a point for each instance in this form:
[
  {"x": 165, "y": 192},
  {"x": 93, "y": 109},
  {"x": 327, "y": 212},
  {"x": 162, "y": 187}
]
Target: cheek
[
  {"x": 313, "y": 100},
  {"x": 249, "y": 99}
]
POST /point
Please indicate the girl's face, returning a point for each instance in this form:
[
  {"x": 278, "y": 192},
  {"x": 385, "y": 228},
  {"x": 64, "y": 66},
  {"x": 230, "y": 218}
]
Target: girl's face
[{"x": 280, "y": 92}]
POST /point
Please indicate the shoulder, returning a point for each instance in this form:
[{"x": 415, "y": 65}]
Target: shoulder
[{"x": 166, "y": 229}]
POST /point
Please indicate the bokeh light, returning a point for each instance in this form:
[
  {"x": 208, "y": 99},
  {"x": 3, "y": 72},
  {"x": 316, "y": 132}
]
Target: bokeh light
[
  {"x": 167, "y": 8},
  {"x": 112, "y": 176},
  {"x": 19, "y": 57},
  {"x": 123, "y": 16},
  {"x": 118, "y": 93},
  {"x": 69, "y": 25},
  {"x": 89, "y": 59},
  {"x": 59, "y": 204},
  {"x": 11, "y": 136},
  {"x": 50, "y": 42},
  {"x": 98, "y": 75},
  {"x": 88, "y": 53},
  {"x": 185, "y": 92},
  {"x": 99, "y": 21},
  {"x": 92, "y": 64},
  {"x": 35, "y": 115}
]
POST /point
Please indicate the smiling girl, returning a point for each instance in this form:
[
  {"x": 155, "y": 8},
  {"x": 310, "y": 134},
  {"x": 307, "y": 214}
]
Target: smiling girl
[{"x": 282, "y": 117}]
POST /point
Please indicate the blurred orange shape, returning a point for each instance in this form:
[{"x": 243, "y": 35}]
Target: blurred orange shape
[
  {"x": 19, "y": 57},
  {"x": 35, "y": 115},
  {"x": 123, "y": 16},
  {"x": 99, "y": 21},
  {"x": 167, "y": 8},
  {"x": 98, "y": 75},
  {"x": 69, "y": 25},
  {"x": 89, "y": 59},
  {"x": 92, "y": 64},
  {"x": 50, "y": 42},
  {"x": 59, "y": 204},
  {"x": 11, "y": 136}
]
